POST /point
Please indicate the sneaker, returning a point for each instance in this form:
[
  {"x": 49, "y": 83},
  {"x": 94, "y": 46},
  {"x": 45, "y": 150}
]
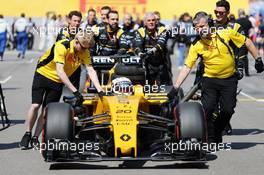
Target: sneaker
[
  {"x": 24, "y": 143},
  {"x": 35, "y": 142}
]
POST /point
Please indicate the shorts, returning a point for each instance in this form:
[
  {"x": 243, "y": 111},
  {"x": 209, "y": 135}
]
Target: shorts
[{"x": 45, "y": 91}]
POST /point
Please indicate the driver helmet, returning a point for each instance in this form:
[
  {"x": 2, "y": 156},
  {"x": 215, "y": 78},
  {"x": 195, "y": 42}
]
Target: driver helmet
[{"x": 122, "y": 85}]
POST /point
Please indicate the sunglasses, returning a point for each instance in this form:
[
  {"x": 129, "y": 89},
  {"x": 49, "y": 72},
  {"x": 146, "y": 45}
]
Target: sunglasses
[{"x": 219, "y": 12}]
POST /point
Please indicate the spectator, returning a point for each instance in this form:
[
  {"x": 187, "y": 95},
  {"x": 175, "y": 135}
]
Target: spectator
[
  {"x": 157, "y": 16},
  {"x": 60, "y": 22},
  {"x": 232, "y": 18},
  {"x": 185, "y": 27},
  {"x": 51, "y": 35},
  {"x": 138, "y": 22},
  {"x": 4, "y": 29},
  {"x": 247, "y": 28},
  {"x": 43, "y": 32},
  {"x": 260, "y": 36},
  {"x": 90, "y": 22},
  {"x": 30, "y": 32},
  {"x": 22, "y": 39}
]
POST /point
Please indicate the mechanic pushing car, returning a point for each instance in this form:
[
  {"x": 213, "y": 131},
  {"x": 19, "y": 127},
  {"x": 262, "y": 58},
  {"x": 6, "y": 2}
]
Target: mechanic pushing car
[
  {"x": 219, "y": 83},
  {"x": 150, "y": 42},
  {"x": 222, "y": 21},
  {"x": 52, "y": 72}
]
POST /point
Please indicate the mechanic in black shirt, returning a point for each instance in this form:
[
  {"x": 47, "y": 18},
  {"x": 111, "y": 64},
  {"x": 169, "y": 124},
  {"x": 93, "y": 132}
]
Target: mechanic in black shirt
[
  {"x": 90, "y": 21},
  {"x": 128, "y": 35},
  {"x": 169, "y": 34},
  {"x": 108, "y": 38},
  {"x": 104, "y": 20},
  {"x": 157, "y": 16},
  {"x": 150, "y": 42},
  {"x": 246, "y": 26}
]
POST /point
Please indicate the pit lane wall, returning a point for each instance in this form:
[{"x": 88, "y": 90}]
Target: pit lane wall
[{"x": 167, "y": 8}]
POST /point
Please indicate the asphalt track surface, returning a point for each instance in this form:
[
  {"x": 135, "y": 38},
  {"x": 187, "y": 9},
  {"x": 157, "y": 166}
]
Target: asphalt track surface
[{"x": 247, "y": 142}]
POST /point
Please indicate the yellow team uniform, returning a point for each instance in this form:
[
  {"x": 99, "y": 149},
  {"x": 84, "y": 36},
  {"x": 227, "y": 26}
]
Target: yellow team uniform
[
  {"x": 62, "y": 52},
  {"x": 217, "y": 59}
]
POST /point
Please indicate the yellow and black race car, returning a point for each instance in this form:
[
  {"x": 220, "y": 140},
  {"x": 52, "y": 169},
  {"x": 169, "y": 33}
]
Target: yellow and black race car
[{"x": 133, "y": 121}]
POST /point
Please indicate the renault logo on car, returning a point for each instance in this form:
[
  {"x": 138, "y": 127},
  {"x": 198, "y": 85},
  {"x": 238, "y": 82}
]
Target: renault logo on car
[{"x": 125, "y": 137}]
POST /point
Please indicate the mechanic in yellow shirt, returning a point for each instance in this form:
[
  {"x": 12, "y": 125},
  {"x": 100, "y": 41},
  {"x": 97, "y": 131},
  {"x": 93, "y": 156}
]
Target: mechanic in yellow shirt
[
  {"x": 53, "y": 71},
  {"x": 219, "y": 82}
]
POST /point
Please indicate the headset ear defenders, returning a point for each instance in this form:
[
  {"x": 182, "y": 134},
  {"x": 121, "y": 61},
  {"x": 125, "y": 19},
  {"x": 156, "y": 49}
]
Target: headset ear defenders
[{"x": 210, "y": 20}]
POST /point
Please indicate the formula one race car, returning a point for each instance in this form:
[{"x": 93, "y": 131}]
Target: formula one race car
[{"x": 133, "y": 121}]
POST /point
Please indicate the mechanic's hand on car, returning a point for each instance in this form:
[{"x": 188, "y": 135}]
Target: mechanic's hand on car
[
  {"x": 79, "y": 98},
  {"x": 259, "y": 65},
  {"x": 173, "y": 93}
]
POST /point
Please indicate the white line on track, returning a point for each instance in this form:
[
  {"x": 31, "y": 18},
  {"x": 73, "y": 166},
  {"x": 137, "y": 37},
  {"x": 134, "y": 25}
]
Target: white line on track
[
  {"x": 260, "y": 100},
  {"x": 248, "y": 96},
  {"x": 6, "y": 80},
  {"x": 251, "y": 98}
]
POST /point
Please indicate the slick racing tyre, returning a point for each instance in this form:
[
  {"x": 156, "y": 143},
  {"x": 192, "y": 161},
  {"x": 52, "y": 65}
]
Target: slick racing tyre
[{"x": 59, "y": 125}]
